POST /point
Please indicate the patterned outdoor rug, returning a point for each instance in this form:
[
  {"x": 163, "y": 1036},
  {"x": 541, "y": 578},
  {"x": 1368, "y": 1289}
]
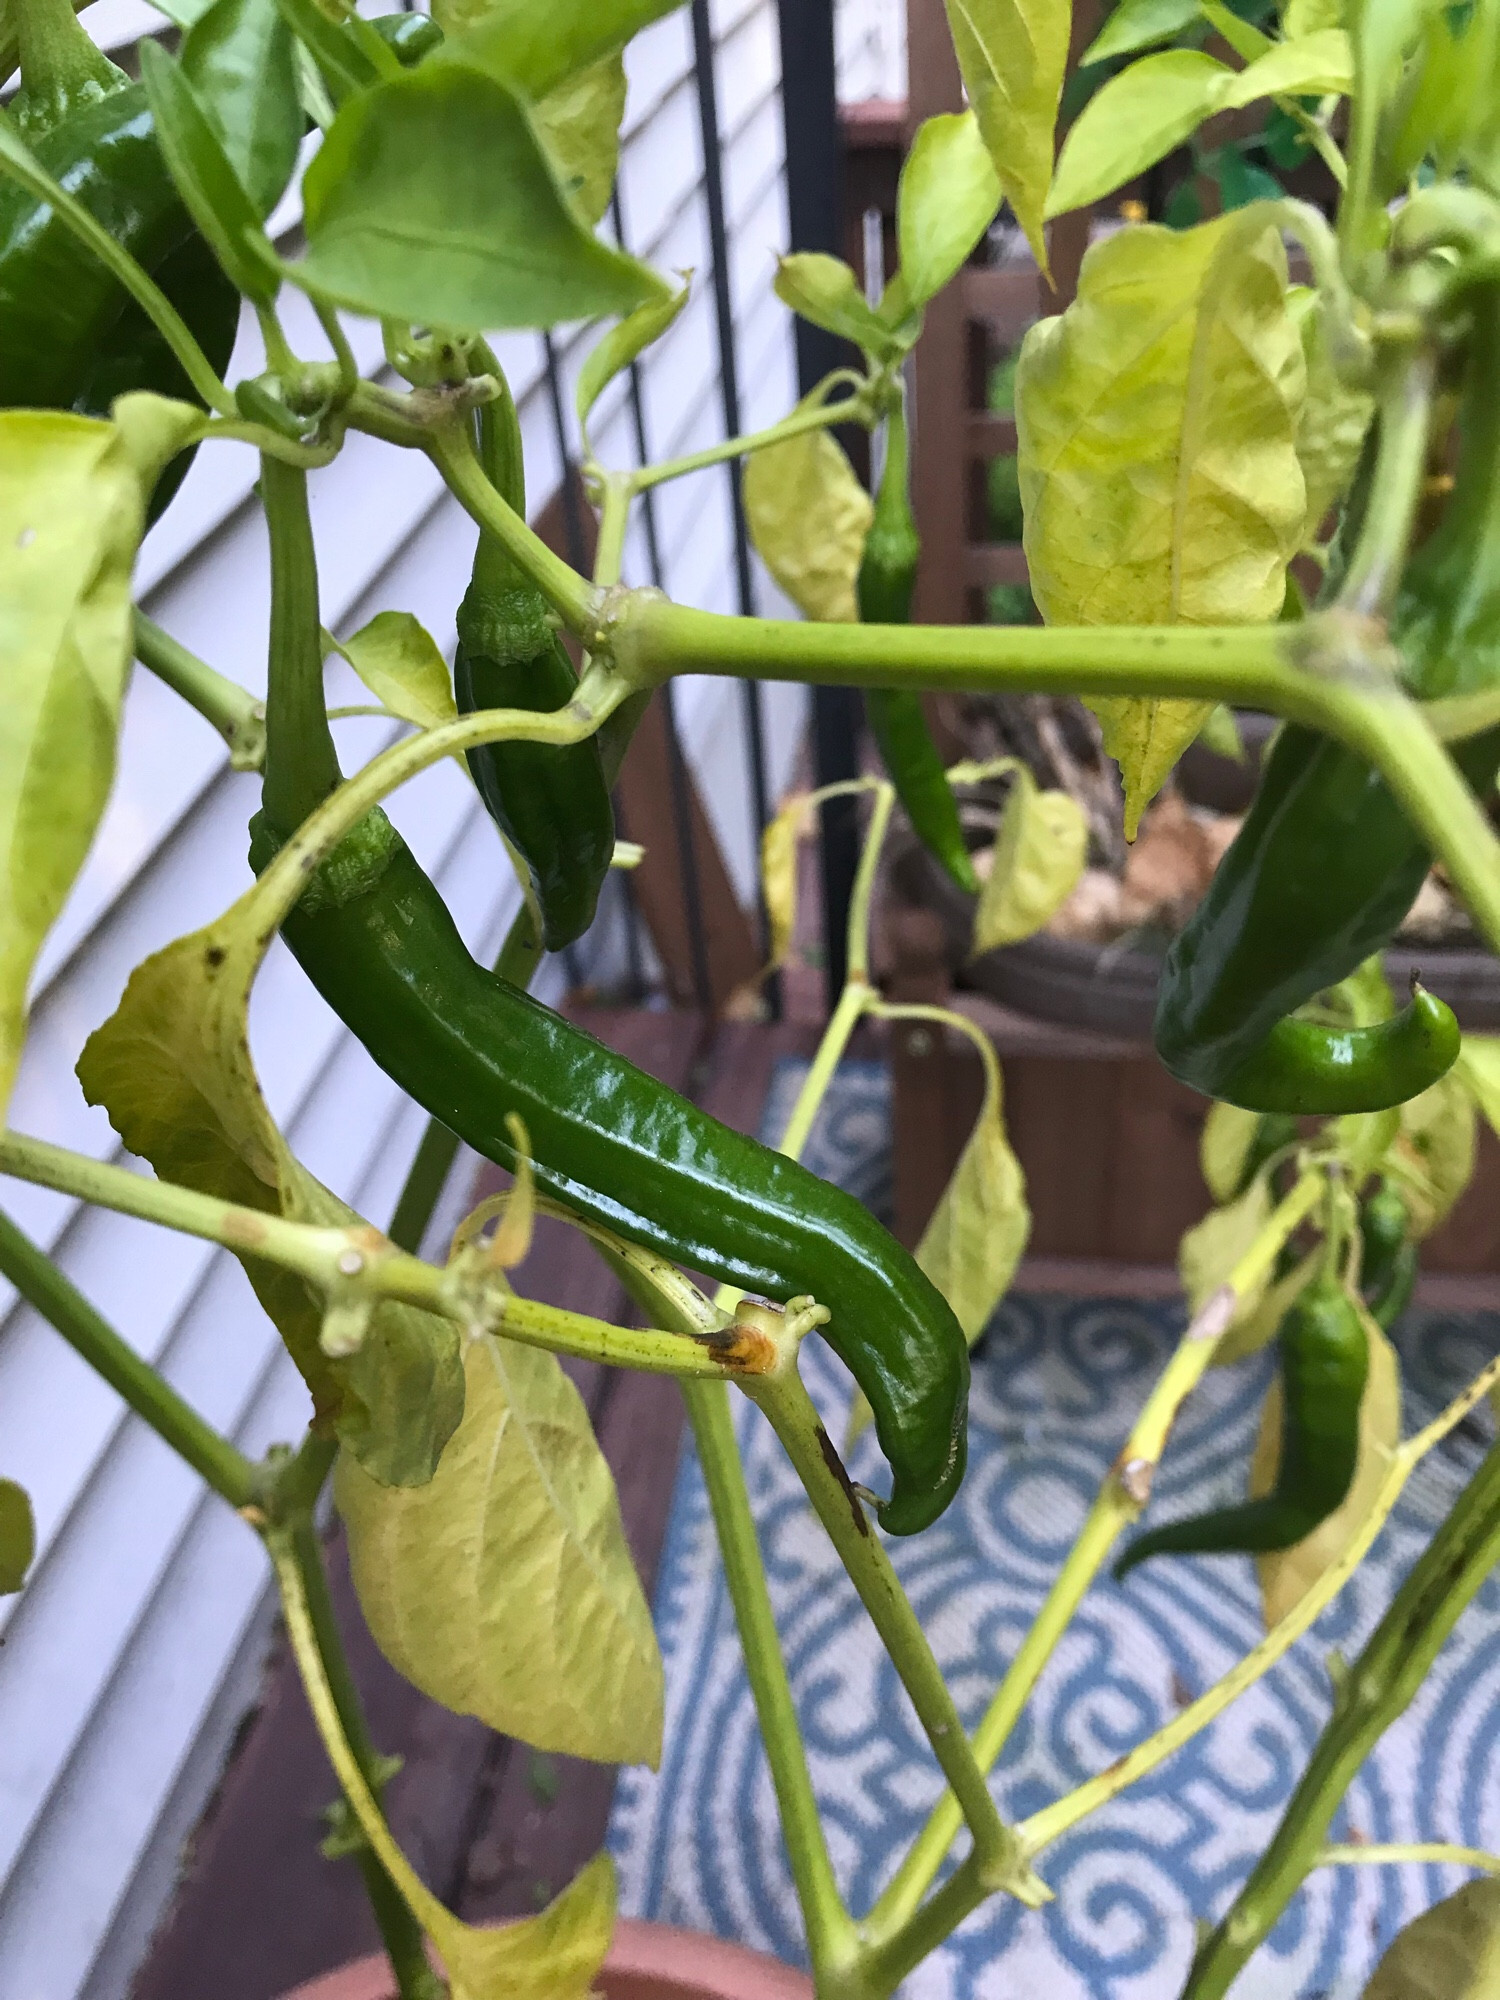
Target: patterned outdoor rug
[{"x": 1057, "y": 1383}]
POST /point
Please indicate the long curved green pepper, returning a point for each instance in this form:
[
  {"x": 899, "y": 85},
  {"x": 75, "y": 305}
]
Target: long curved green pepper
[
  {"x": 552, "y": 803},
  {"x": 1327, "y": 864},
  {"x": 1325, "y": 1358},
  {"x": 887, "y": 577}
]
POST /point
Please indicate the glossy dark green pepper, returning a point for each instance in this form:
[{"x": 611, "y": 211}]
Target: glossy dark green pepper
[
  {"x": 1388, "y": 1255},
  {"x": 71, "y": 337},
  {"x": 887, "y": 577},
  {"x": 1327, "y": 863},
  {"x": 1325, "y": 1358},
  {"x": 552, "y": 804}
]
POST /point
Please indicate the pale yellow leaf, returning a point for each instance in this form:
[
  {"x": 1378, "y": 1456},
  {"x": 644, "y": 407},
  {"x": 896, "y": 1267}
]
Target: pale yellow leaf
[
  {"x": 579, "y": 123},
  {"x": 555, "y": 1955},
  {"x": 1332, "y": 422},
  {"x": 1286, "y": 1575},
  {"x": 825, "y": 292},
  {"x": 1479, "y": 1065},
  {"x": 1308, "y": 17},
  {"x": 1041, "y": 845},
  {"x": 1136, "y": 119},
  {"x": 1313, "y": 65},
  {"x": 1211, "y": 1248},
  {"x": 973, "y": 1243},
  {"x": 1013, "y": 55},
  {"x": 778, "y": 874},
  {"x": 504, "y": 1588},
  {"x": 808, "y": 516},
  {"x": 1450, "y": 1952},
  {"x": 1158, "y": 465},
  {"x": 947, "y": 199},
  {"x": 399, "y": 662},
  {"x": 1437, "y": 1143},
  {"x": 1224, "y": 1147},
  {"x": 73, "y": 494}
]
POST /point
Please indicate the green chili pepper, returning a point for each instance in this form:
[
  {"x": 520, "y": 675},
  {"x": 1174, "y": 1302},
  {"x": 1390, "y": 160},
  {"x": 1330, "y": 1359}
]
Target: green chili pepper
[
  {"x": 551, "y": 803},
  {"x": 71, "y": 337},
  {"x": 1388, "y": 1255},
  {"x": 1324, "y": 1361},
  {"x": 376, "y": 940},
  {"x": 1327, "y": 863},
  {"x": 412, "y": 36},
  {"x": 887, "y": 576}
]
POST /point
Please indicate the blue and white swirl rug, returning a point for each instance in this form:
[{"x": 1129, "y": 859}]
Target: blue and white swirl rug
[{"x": 1057, "y": 1383}]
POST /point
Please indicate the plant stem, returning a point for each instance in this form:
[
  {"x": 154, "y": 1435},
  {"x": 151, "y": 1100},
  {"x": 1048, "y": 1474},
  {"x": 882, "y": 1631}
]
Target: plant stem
[
  {"x": 787, "y": 1405},
  {"x": 862, "y": 893},
  {"x": 452, "y": 452},
  {"x": 887, "y": 1960},
  {"x": 59, "y": 61},
  {"x": 614, "y": 519},
  {"x": 851, "y": 410},
  {"x": 830, "y": 1932},
  {"x": 301, "y": 765},
  {"x": 853, "y": 1002},
  {"x": 1369, "y": 587},
  {"x": 216, "y": 1461},
  {"x": 1120, "y": 1500},
  {"x": 399, "y": 1930},
  {"x": 236, "y": 713},
  {"x": 20, "y": 165},
  {"x": 1379, "y": 1687},
  {"x": 1438, "y": 1853}
]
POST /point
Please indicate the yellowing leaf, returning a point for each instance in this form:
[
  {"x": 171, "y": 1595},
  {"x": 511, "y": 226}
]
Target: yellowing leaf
[
  {"x": 1256, "y": 1324},
  {"x": 1228, "y": 1135},
  {"x": 1136, "y": 24},
  {"x": 504, "y": 1587},
  {"x": 1013, "y": 54},
  {"x": 553, "y": 1956},
  {"x": 17, "y": 1536},
  {"x": 72, "y": 508},
  {"x": 1437, "y": 1143},
  {"x": 399, "y": 662},
  {"x": 1450, "y": 1952},
  {"x": 947, "y": 199},
  {"x": 1040, "y": 848},
  {"x": 1158, "y": 465},
  {"x": 1211, "y": 1248},
  {"x": 1307, "y": 17},
  {"x": 580, "y": 126},
  {"x": 808, "y": 516},
  {"x": 172, "y": 1067},
  {"x": 1479, "y": 1066},
  {"x": 825, "y": 292},
  {"x": 1311, "y": 65},
  {"x": 973, "y": 1243},
  {"x": 778, "y": 874},
  {"x": 1286, "y": 1575},
  {"x": 1332, "y": 422},
  {"x": 621, "y": 345},
  {"x": 1135, "y": 120}
]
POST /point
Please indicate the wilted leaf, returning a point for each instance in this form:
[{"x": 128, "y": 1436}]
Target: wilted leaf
[
  {"x": 1211, "y": 1248},
  {"x": 1229, "y": 1133},
  {"x": 1013, "y": 54},
  {"x": 1136, "y": 119},
  {"x": 1450, "y": 1952},
  {"x": 1136, "y": 24},
  {"x": 808, "y": 517},
  {"x": 621, "y": 345},
  {"x": 399, "y": 662},
  {"x": 1157, "y": 429},
  {"x": 825, "y": 292},
  {"x": 72, "y": 509},
  {"x": 432, "y": 200},
  {"x": 17, "y": 1536},
  {"x": 1040, "y": 847},
  {"x": 504, "y": 1587},
  {"x": 172, "y": 1068},
  {"x": 1286, "y": 1575},
  {"x": 778, "y": 874},
  {"x": 580, "y": 127},
  {"x": 947, "y": 198},
  {"x": 1437, "y": 1141}
]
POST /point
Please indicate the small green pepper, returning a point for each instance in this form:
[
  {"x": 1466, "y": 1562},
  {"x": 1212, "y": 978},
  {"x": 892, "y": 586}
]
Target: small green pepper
[
  {"x": 1324, "y": 1361},
  {"x": 887, "y": 577},
  {"x": 1388, "y": 1255}
]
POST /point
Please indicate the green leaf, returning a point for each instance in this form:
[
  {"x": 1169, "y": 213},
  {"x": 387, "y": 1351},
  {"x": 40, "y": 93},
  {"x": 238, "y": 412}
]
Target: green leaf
[
  {"x": 210, "y": 188},
  {"x": 1138, "y": 117},
  {"x": 580, "y": 126},
  {"x": 1211, "y": 1248},
  {"x": 808, "y": 517},
  {"x": 535, "y": 45},
  {"x": 432, "y": 200},
  {"x": 1041, "y": 845},
  {"x": 1332, "y": 422},
  {"x": 504, "y": 1587},
  {"x": 240, "y": 60},
  {"x": 621, "y": 345},
  {"x": 973, "y": 1243},
  {"x": 400, "y": 663},
  {"x": 1157, "y": 428},
  {"x": 73, "y": 493},
  {"x": 1450, "y": 1952},
  {"x": 946, "y": 199},
  {"x": 1224, "y": 1146},
  {"x": 1221, "y": 734},
  {"x": 345, "y": 65},
  {"x": 1243, "y": 37},
  {"x": 17, "y": 1536},
  {"x": 1136, "y": 24},
  {"x": 1286, "y": 1575},
  {"x": 1013, "y": 55},
  {"x": 1307, "y": 17},
  {"x": 172, "y": 1068},
  {"x": 1437, "y": 1144},
  {"x": 825, "y": 292},
  {"x": 1311, "y": 67}
]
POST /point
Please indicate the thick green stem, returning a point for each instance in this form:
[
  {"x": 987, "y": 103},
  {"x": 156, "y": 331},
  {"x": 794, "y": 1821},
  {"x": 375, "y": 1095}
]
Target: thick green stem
[
  {"x": 1378, "y": 1687},
  {"x": 216, "y": 1461},
  {"x": 830, "y": 1933},
  {"x": 452, "y": 452},
  {"x": 61, "y": 67},
  {"x": 885, "y": 1963},
  {"x": 238, "y": 715},
  {"x": 302, "y": 767}
]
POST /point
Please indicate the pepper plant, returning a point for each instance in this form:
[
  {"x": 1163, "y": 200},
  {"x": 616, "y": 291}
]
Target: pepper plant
[{"x": 1188, "y": 427}]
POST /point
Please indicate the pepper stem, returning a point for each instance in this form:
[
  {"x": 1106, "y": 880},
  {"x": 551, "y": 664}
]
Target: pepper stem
[
  {"x": 301, "y": 766},
  {"x": 61, "y": 66}
]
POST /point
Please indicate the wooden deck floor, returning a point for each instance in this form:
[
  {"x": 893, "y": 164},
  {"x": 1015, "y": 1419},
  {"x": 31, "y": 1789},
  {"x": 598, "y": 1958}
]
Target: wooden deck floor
[{"x": 494, "y": 1828}]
